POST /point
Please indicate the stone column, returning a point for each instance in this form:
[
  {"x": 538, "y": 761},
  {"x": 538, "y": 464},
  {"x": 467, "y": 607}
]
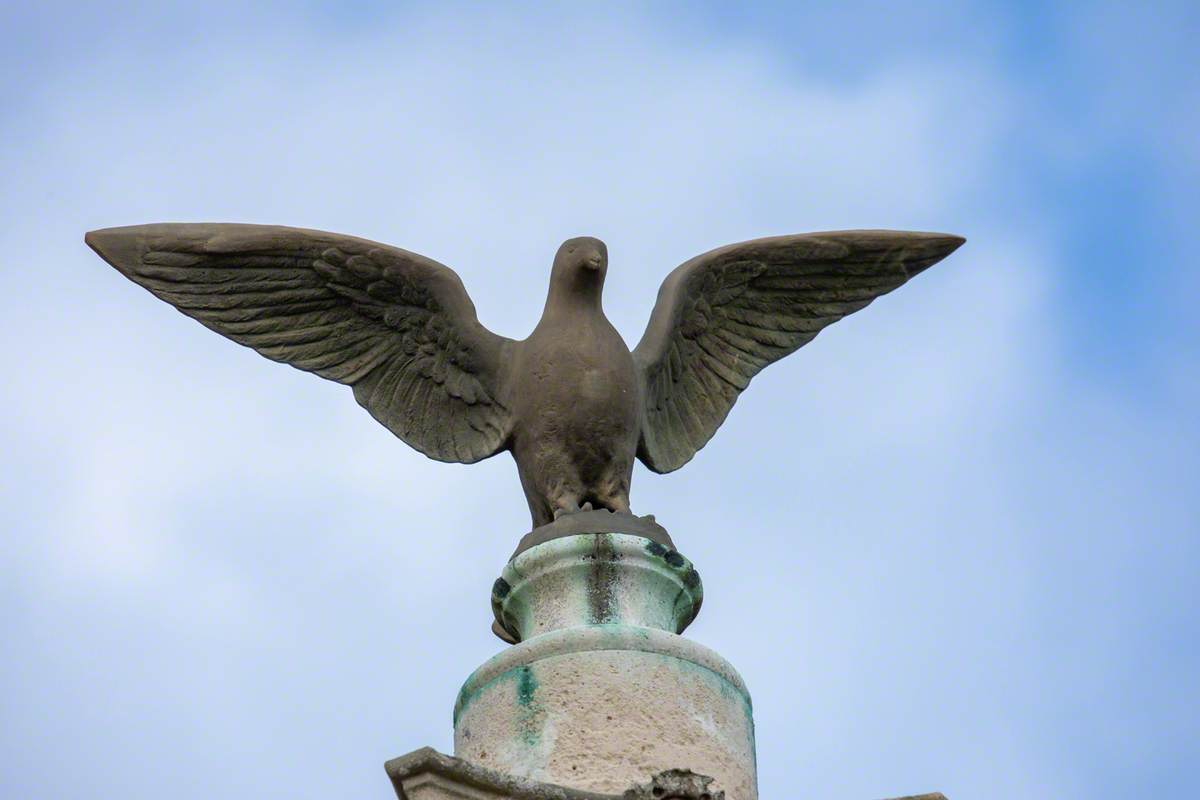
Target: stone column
[{"x": 602, "y": 692}]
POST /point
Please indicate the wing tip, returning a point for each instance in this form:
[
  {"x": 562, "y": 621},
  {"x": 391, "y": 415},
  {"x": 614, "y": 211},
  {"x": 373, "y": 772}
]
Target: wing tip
[
  {"x": 933, "y": 247},
  {"x": 124, "y": 246},
  {"x": 94, "y": 239},
  {"x": 106, "y": 243},
  {"x": 950, "y": 242},
  {"x": 120, "y": 247}
]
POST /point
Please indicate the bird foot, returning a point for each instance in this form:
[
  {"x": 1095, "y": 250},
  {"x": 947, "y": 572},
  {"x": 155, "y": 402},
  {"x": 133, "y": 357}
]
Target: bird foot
[{"x": 562, "y": 510}]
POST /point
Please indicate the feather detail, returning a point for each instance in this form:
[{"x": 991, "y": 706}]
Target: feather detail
[
  {"x": 371, "y": 316},
  {"x": 725, "y": 315}
]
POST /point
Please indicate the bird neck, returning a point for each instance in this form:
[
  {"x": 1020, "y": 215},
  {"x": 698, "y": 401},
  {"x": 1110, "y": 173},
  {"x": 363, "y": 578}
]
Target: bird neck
[{"x": 565, "y": 299}]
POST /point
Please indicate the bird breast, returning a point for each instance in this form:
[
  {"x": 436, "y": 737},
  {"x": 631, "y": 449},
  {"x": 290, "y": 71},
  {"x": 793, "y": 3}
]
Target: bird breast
[{"x": 578, "y": 384}]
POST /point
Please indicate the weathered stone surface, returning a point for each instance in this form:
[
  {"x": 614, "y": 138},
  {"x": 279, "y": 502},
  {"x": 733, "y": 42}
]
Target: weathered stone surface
[
  {"x": 426, "y": 774},
  {"x": 598, "y": 521},
  {"x": 602, "y": 720},
  {"x": 571, "y": 402},
  {"x": 599, "y": 691},
  {"x": 675, "y": 784},
  {"x": 596, "y": 579},
  {"x": 602, "y": 692}
]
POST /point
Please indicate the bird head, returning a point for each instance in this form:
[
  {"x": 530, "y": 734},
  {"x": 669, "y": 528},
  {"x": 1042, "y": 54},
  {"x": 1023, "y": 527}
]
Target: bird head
[{"x": 580, "y": 265}]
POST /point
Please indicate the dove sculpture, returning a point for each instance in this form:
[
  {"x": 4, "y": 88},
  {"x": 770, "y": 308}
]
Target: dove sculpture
[{"x": 571, "y": 402}]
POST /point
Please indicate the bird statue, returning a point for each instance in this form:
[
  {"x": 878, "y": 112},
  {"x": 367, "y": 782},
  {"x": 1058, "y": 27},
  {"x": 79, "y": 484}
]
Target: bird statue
[{"x": 571, "y": 402}]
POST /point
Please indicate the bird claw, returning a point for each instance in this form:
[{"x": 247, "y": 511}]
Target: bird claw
[{"x": 561, "y": 510}]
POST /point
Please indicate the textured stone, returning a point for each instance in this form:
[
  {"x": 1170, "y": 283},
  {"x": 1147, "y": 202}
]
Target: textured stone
[
  {"x": 675, "y": 784},
  {"x": 602, "y": 692},
  {"x": 598, "y": 521},
  {"x": 426, "y": 774},
  {"x": 603, "y": 720},
  {"x": 571, "y": 402},
  {"x": 596, "y": 579}
]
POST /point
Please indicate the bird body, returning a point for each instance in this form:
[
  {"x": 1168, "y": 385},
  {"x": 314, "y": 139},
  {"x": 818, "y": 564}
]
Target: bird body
[
  {"x": 575, "y": 400},
  {"x": 572, "y": 402}
]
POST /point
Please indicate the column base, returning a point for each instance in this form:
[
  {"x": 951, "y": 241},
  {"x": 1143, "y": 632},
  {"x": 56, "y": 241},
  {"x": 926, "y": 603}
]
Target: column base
[
  {"x": 602, "y": 707},
  {"x": 426, "y": 774}
]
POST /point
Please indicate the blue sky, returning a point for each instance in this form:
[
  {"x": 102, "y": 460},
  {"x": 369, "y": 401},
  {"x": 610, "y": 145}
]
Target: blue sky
[{"x": 952, "y": 545}]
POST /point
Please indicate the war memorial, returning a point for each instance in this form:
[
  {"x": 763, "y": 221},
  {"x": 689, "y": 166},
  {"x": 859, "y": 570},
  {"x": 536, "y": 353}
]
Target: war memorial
[{"x": 596, "y": 694}]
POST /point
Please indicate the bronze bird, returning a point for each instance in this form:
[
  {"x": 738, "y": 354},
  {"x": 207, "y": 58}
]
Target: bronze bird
[{"x": 571, "y": 402}]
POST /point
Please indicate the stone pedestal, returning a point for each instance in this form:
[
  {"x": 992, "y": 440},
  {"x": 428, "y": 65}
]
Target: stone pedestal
[
  {"x": 426, "y": 774},
  {"x": 602, "y": 692}
]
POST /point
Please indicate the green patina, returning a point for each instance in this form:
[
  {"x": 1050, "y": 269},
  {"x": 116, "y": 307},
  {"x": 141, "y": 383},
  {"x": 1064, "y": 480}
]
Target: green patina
[
  {"x": 528, "y": 711},
  {"x": 655, "y": 549},
  {"x": 526, "y": 686}
]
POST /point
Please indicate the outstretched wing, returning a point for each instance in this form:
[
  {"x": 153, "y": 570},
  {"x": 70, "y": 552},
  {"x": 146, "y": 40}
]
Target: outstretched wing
[
  {"x": 724, "y": 315},
  {"x": 395, "y": 325}
]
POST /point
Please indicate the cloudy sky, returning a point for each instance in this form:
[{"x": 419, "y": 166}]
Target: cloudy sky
[{"x": 952, "y": 545}]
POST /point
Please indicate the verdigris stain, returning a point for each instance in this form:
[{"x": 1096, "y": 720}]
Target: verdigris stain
[
  {"x": 527, "y": 716},
  {"x": 526, "y": 686},
  {"x": 602, "y": 578}
]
